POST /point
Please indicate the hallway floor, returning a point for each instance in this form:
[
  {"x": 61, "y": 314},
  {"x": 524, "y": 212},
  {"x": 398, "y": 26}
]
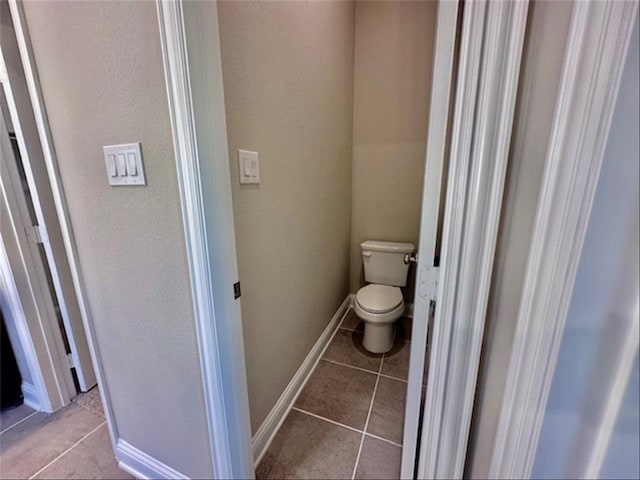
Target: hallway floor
[
  {"x": 348, "y": 420},
  {"x": 70, "y": 443}
]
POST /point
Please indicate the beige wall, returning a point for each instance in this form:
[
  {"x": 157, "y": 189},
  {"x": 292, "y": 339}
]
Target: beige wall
[
  {"x": 100, "y": 65},
  {"x": 542, "y": 63},
  {"x": 288, "y": 81},
  {"x": 392, "y": 77}
]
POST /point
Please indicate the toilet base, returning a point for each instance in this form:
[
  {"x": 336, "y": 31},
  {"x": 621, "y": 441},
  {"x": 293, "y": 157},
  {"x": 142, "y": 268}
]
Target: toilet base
[{"x": 378, "y": 337}]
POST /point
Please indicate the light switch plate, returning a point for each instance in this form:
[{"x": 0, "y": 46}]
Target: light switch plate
[
  {"x": 249, "y": 166},
  {"x": 124, "y": 164}
]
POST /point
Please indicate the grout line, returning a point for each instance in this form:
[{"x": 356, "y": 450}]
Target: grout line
[
  {"x": 326, "y": 419},
  {"x": 364, "y": 370},
  {"x": 373, "y": 372},
  {"x": 19, "y": 421},
  {"x": 392, "y": 377},
  {"x": 66, "y": 451},
  {"x": 383, "y": 439},
  {"x": 338, "y": 424},
  {"x": 366, "y": 423}
]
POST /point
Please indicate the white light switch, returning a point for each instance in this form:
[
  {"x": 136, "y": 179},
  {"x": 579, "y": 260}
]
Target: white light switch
[
  {"x": 124, "y": 164},
  {"x": 249, "y": 166},
  {"x": 121, "y": 165},
  {"x": 132, "y": 168},
  {"x": 111, "y": 166}
]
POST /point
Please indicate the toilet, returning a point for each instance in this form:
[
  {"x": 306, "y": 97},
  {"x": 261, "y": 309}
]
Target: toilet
[{"x": 380, "y": 303}]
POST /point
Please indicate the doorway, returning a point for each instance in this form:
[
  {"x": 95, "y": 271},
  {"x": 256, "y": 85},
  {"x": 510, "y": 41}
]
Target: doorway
[
  {"x": 39, "y": 304},
  {"x": 490, "y": 42}
]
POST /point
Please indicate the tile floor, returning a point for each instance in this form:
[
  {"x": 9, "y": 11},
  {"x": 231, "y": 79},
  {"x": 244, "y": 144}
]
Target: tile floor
[
  {"x": 70, "y": 443},
  {"x": 347, "y": 422}
]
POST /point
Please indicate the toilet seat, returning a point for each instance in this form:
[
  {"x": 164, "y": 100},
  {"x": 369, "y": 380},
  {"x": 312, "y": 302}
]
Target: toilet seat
[{"x": 379, "y": 299}]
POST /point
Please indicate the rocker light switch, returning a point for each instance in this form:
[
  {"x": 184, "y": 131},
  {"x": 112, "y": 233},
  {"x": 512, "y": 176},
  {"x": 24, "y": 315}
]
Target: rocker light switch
[
  {"x": 124, "y": 164},
  {"x": 249, "y": 166}
]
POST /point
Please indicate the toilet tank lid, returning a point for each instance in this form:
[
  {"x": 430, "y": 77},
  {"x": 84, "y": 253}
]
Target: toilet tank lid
[{"x": 391, "y": 247}]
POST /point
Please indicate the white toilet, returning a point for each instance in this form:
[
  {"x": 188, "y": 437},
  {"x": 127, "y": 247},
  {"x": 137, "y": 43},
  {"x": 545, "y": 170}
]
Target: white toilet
[{"x": 380, "y": 303}]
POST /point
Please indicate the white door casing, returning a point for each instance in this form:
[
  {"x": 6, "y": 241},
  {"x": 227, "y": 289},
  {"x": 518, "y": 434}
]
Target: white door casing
[
  {"x": 592, "y": 71},
  {"x": 31, "y": 304},
  {"x": 488, "y": 72},
  {"x": 196, "y": 105},
  {"x": 37, "y": 171}
]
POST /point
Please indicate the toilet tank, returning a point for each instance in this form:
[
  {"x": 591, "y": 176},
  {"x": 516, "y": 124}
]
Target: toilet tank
[{"x": 384, "y": 262}]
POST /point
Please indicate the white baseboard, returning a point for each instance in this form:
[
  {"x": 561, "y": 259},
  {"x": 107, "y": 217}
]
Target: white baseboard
[
  {"x": 263, "y": 437},
  {"x": 137, "y": 463},
  {"x": 31, "y": 397}
]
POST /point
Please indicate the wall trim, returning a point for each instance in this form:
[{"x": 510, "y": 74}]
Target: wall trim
[
  {"x": 592, "y": 71},
  {"x": 30, "y": 394},
  {"x": 141, "y": 465},
  {"x": 267, "y": 431},
  {"x": 489, "y": 68},
  {"x": 193, "y": 72}
]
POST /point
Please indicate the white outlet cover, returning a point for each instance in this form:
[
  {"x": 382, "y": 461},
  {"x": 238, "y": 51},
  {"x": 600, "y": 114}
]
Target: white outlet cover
[{"x": 124, "y": 164}]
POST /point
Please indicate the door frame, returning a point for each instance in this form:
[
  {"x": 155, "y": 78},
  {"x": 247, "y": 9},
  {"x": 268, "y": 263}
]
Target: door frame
[
  {"x": 198, "y": 123},
  {"x": 46, "y": 205},
  {"x": 196, "y": 104},
  {"x": 43, "y": 132},
  {"x": 597, "y": 47},
  {"x": 30, "y": 309}
]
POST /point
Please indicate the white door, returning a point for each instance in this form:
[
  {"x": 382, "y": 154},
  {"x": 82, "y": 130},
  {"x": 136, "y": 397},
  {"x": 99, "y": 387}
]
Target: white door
[
  {"x": 48, "y": 231},
  {"x": 427, "y": 271},
  {"x": 481, "y": 46}
]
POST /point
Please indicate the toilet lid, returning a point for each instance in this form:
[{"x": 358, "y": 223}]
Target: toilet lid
[{"x": 379, "y": 298}]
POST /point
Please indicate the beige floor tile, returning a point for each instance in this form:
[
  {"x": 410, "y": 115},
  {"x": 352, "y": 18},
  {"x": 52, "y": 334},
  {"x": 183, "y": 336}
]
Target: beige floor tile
[
  {"x": 93, "y": 457},
  {"x": 14, "y": 415},
  {"x": 346, "y": 347},
  {"x": 341, "y": 394},
  {"x": 352, "y": 321},
  {"x": 90, "y": 401},
  {"x": 396, "y": 362},
  {"x": 32, "y": 444},
  {"x": 387, "y": 414},
  {"x": 379, "y": 460},
  {"x": 307, "y": 447}
]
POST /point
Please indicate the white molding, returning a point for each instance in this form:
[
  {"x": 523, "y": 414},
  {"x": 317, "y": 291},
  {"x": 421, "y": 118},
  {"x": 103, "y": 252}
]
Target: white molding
[
  {"x": 31, "y": 326},
  {"x": 598, "y": 41},
  {"x": 439, "y": 114},
  {"x": 37, "y": 392},
  {"x": 491, "y": 50},
  {"x": 31, "y": 395},
  {"x": 134, "y": 461},
  {"x": 264, "y": 435},
  {"x": 191, "y": 55}
]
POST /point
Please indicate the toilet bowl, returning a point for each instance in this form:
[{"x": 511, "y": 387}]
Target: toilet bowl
[
  {"x": 380, "y": 303},
  {"x": 379, "y": 306}
]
